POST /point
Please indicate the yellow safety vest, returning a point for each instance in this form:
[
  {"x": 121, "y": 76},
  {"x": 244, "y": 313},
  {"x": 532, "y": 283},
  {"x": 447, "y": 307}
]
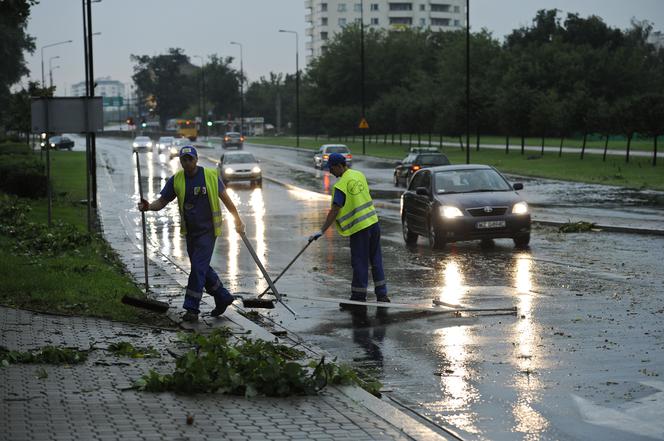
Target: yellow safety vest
[
  {"x": 358, "y": 212},
  {"x": 211, "y": 182}
]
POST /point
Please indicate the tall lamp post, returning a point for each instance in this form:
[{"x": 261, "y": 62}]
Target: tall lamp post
[
  {"x": 241, "y": 90},
  {"x": 50, "y": 69},
  {"x": 297, "y": 86},
  {"x": 362, "y": 71},
  {"x": 42, "y": 57},
  {"x": 467, "y": 81},
  {"x": 201, "y": 96}
]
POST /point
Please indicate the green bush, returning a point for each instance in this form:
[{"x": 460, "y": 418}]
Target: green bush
[
  {"x": 22, "y": 175},
  {"x": 14, "y": 148}
]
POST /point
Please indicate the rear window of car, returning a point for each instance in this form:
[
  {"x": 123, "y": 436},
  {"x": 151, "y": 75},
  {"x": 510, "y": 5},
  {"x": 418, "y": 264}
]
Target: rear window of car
[
  {"x": 338, "y": 149},
  {"x": 433, "y": 160},
  {"x": 142, "y": 138},
  {"x": 239, "y": 159}
]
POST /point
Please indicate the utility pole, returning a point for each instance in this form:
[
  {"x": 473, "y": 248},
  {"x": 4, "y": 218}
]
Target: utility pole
[
  {"x": 297, "y": 87},
  {"x": 467, "y": 81},
  {"x": 241, "y": 90},
  {"x": 362, "y": 70}
]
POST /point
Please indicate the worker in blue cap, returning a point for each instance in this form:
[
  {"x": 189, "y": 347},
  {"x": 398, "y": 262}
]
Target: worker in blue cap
[
  {"x": 198, "y": 191},
  {"x": 354, "y": 215}
]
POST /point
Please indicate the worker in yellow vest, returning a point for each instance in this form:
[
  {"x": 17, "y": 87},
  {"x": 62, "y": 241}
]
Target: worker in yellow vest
[
  {"x": 198, "y": 191},
  {"x": 354, "y": 214}
]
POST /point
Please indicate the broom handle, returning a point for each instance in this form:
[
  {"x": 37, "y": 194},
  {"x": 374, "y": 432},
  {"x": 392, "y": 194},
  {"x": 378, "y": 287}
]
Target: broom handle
[
  {"x": 262, "y": 268},
  {"x": 286, "y": 269},
  {"x": 145, "y": 249}
]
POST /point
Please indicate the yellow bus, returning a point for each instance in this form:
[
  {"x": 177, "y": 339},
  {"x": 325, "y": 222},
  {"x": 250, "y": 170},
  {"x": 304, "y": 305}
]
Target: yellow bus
[{"x": 186, "y": 128}]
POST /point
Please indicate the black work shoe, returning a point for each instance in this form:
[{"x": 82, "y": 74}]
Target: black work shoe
[
  {"x": 385, "y": 299},
  {"x": 190, "y": 316},
  {"x": 220, "y": 309}
]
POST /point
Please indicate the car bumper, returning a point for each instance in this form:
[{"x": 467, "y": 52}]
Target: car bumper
[
  {"x": 232, "y": 144},
  {"x": 470, "y": 228},
  {"x": 242, "y": 176}
]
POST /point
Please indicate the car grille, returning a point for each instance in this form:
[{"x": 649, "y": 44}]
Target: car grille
[{"x": 486, "y": 211}]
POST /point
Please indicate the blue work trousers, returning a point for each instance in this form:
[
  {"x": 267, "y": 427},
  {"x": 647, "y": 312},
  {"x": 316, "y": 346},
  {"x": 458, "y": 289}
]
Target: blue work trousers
[
  {"x": 365, "y": 250},
  {"x": 202, "y": 276}
]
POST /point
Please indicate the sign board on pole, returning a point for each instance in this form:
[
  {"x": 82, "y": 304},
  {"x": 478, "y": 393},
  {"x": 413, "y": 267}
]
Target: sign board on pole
[
  {"x": 363, "y": 124},
  {"x": 67, "y": 115},
  {"x": 113, "y": 101}
]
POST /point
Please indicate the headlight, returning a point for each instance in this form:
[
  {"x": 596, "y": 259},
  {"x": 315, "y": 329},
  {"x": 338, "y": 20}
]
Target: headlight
[
  {"x": 450, "y": 212},
  {"x": 520, "y": 208},
  {"x": 229, "y": 171},
  {"x": 135, "y": 144},
  {"x": 149, "y": 144},
  {"x": 256, "y": 169},
  {"x": 52, "y": 144}
]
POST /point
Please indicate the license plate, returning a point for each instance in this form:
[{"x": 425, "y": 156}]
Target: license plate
[{"x": 490, "y": 224}]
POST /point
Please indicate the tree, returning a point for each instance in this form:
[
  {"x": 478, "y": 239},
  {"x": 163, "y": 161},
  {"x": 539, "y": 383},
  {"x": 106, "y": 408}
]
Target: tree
[
  {"x": 156, "y": 76},
  {"x": 222, "y": 85},
  {"x": 651, "y": 120},
  {"x": 14, "y": 42}
]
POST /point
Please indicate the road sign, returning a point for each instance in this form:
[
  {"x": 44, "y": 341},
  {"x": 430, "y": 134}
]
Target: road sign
[
  {"x": 363, "y": 124},
  {"x": 67, "y": 115},
  {"x": 113, "y": 101}
]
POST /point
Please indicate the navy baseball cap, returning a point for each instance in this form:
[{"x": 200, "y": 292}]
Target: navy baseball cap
[
  {"x": 336, "y": 159},
  {"x": 189, "y": 150}
]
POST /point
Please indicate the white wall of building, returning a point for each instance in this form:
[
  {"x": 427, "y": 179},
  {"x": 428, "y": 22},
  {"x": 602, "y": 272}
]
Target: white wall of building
[{"x": 328, "y": 17}]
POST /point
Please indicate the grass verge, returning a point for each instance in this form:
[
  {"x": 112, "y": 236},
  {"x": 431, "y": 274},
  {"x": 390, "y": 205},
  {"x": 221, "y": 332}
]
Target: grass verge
[
  {"x": 638, "y": 173},
  {"x": 58, "y": 270}
]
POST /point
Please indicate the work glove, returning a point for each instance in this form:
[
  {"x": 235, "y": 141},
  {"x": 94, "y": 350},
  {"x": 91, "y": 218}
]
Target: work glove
[
  {"x": 315, "y": 236},
  {"x": 143, "y": 205}
]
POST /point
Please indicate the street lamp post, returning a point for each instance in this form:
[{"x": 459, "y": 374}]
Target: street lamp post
[
  {"x": 50, "y": 69},
  {"x": 297, "y": 86},
  {"x": 362, "y": 71},
  {"x": 42, "y": 57},
  {"x": 241, "y": 90},
  {"x": 201, "y": 96},
  {"x": 467, "y": 81}
]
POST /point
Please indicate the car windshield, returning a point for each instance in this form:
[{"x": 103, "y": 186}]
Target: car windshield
[
  {"x": 166, "y": 139},
  {"x": 239, "y": 159},
  {"x": 142, "y": 138},
  {"x": 233, "y": 135},
  {"x": 433, "y": 160},
  {"x": 55, "y": 139},
  {"x": 468, "y": 181},
  {"x": 337, "y": 149}
]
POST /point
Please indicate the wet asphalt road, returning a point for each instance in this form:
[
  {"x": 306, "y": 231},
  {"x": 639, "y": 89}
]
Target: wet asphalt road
[{"x": 582, "y": 359}]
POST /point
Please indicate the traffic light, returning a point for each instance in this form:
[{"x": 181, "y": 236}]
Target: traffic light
[{"x": 144, "y": 124}]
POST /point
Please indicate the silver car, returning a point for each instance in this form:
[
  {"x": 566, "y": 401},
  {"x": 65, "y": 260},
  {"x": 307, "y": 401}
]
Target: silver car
[
  {"x": 142, "y": 143},
  {"x": 320, "y": 157},
  {"x": 240, "y": 166},
  {"x": 164, "y": 144}
]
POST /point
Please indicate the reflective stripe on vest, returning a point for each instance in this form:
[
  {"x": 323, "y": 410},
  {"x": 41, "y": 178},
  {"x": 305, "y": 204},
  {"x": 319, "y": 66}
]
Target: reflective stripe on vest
[
  {"x": 358, "y": 212},
  {"x": 211, "y": 182}
]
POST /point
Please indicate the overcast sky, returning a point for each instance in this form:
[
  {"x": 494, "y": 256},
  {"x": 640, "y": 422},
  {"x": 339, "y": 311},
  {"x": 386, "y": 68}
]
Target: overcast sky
[{"x": 204, "y": 27}]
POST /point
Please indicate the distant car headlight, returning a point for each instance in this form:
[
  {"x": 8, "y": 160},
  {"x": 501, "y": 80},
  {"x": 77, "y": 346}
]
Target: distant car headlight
[
  {"x": 520, "y": 208},
  {"x": 256, "y": 169},
  {"x": 149, "y": 144},
  {"x": 229, "y": 171},
  {"x": 135, "y": 144},
  {"x": 43, "y": 144},
  {"x": 450, "y": 212},
  {"x": 52, "y": 144}
]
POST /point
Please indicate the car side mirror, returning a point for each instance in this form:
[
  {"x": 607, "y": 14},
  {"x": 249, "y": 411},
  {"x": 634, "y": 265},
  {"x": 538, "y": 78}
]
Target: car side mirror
[
  {"x": 422, "y": 191},
  {"x": 518, "y": 186}
]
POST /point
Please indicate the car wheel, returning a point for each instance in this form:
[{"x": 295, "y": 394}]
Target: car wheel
[
  {"x": 315, "y": 165},
  {"x": 436, "y": 240},
  {"x": 487, "y": 244},
  {"x": 396, "y": 180},
  {"x": 522, "y": 240},
  {"x": 408, "y": 236}
]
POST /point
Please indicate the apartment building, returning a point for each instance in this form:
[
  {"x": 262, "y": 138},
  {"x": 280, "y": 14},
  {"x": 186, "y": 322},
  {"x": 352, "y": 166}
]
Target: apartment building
[
  {"x": 105, "y": 87},
  {"x": 326, "y": 17}
]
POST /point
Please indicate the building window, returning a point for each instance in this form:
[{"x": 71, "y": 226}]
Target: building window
[
  {"x": 401, "y": 20},
  {"x": 457, "y": 9},
  {"x": 423, "y": 22},
  {"x": 457, "y": 23},
  {"x": 440, "y": 22},
  {"x": 374, "y": 21},
  {"x": 440, "y": 8},
  {"x": 401, "y": 6},
  {"x": 323, "y": 35},
  {"x": 357, "y": 7},
  {"x": 342, "y": 22},
  {"x": 323, "y": 7},
  {"x": 341, "y": 7},
  {"x": 374, "y": 6},
  {"x": 323, "y": 21},
  {"x": 423, "y": 7}
]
